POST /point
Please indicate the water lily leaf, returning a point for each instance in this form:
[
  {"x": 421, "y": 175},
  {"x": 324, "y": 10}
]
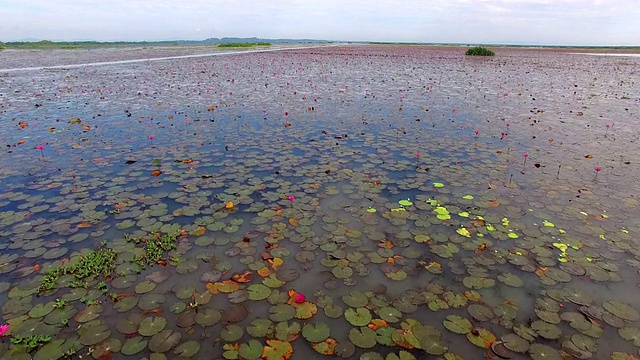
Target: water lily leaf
[
  {"x": 231, "y": 333},
  {"x": 510, "y": 280},
  {"x": 277, "y": 350},
  {"x": 326, "y": 347},
  {"x": 151, "y": 301},
  {"x": 544, "y": 352},
  {"x": 630, "y": 334},
  {"x": 546, "y": 330},
  {"x": 145, "y": 287},
  {"x": 342, "y": 272},
  {"x": 621, "y": 310},
  {"x": 438, "y": 185},
  {"x": 164, "y": 341},
  {"x": 333, "y": 311},
  {"x": 305, "y": 310},
  {"x": 281, "y": 312},
  {"x": 251, "y": 350},
  {"x": 358, "y": 317},
  {"x": 355, "y": 299},
  {"x": 468, "y": 197},
  {"x": 133, "y": 345},
  {"x": 208, "y": 317},
  {"x": 40, "y": 310},
  {"x": 317, "y": 332},
  {"x": 406, "y": 202},
  {"x": 89, "y": 313},
  {"x": 260, "y": 327},
  {"x": 126, "y": 304},
  {"x": 454, "y": 300},
  {"x": 152, "y": 325},
  {"x": 95, "y": 334},
  {"x": 187, "y": 349},
  {"x": 515, "y": 343},
  {"x": 287, "y": 331},
  {"x": 457, "y": 324},
  {"x": 481, "y": 337},
  {"x": 389, "y": 314},
  {"x": 272, "y": 281},
  {"x": 257, "y": 292},
  {"x": 363, "y": 337}
]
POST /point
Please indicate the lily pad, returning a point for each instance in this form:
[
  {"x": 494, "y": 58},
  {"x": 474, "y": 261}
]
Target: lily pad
[
  {"x": 260, "y": 327},
  {"x": 164, "y": 341},
  {"x": 251, "y": 350},
  {"x": 621, "y": 310},
  {"x": 358, "y": 317},
  {"x": 187, "y": 349},
  {"x": 363, "y": 337},
  {"x": 481, "y": 337},
  {"x": 277, "y": 350},
  {"x": 282, "y": 312},
  {"x": 208, "y": 317},
  {"x": 317, "y": 332},
  {"x": 133, "y": 345},
  {"x": 257, "y": 292},
  {"x": 457, "y": 324},
  {"x": 231, "y": 333},
  {"x": 95, "y": 334},
  {"x": 544, "y": 352}
]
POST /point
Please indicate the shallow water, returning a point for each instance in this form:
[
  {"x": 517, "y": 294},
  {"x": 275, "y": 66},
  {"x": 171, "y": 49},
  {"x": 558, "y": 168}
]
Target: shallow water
[{"x": 341, "y": 130}]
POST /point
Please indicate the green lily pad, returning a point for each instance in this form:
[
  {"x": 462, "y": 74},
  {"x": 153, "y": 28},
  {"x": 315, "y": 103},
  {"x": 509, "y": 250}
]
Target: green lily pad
[
  {"x": 260, "y": 327},
  {"x": 151, "y": 301},
  {"x": 208, "y": 317},
  {"x": 305, "y": 310},
  {"x": 481, "y": 337},
  {"x": 544, "y": 352},
  {"x": 40, "y": 310},
  {"x": 457, "y": 324},
  {"x": 406, "y": 202},
  {"x": 317, "y": 332},
  {"x": 251, "y": 350},
  {"x": 355, "y": 299},
  {"x": 89, "y": 313},
  {"x": 515, "y": 343},
  {"x": 187, "y": 349},
  {"x": 95, "y": 334},
  {"x": 510, "y": 280},
  {"x": 257, "y": 292},
  {"x": 282, "y": 312},
  {"x": 546, "y": 330},
  {"x": 342, "y": 272},
  {"x": 231, "y": 333},
  {"x": 621, "y": 310},
  {"x": 145, "y": 287},
  {"x": 358, "y": 317},
  {"x": 389, "y": 314},
  {"x": 480, "y": 312},
  {"x": 438, "y": 185},
  {"x": 164, "y": 341},
  {"x": 126, "y": 304},
  {"x": 630, "y": 334},
  {"x": 363, "y": 337},
  {"x": 152, "y": 325},
  {"x": 133, "y": 345},
  {"x": 468, "y": 197},
  {"x": 286, "y": 331}
]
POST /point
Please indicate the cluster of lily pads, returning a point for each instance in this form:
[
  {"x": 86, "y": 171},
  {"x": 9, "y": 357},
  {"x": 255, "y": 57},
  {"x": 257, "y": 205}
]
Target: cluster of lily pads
[{"x": 339, "y": 241}]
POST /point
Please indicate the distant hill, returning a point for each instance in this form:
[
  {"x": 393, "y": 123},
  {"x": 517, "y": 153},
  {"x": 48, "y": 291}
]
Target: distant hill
[{"x": 227, "y": 40}]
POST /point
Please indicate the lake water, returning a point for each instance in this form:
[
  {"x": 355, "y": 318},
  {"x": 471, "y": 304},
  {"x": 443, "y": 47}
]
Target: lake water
[{"x": 372, "y": 202}]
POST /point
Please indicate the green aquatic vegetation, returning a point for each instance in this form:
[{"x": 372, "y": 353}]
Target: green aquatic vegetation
[
  {"x": 31, "y": 342},
  {"x": 155, "y": 248},
  {"x": 96, "y": 263},
  {"x": 479, "y": 51}
]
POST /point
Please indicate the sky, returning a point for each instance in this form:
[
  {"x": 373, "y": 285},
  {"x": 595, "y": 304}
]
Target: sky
[{"x": 534, "y": 22}]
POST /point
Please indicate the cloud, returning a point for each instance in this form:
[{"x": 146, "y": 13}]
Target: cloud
[{"x": 579, "y": 22}]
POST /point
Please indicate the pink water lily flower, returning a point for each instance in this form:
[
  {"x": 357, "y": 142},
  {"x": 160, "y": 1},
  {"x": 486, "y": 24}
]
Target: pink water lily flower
[
  {"x": 3, "y": 329},
  {"x": 300, "y": 298},
  {"x": 291, "y": 198}
]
